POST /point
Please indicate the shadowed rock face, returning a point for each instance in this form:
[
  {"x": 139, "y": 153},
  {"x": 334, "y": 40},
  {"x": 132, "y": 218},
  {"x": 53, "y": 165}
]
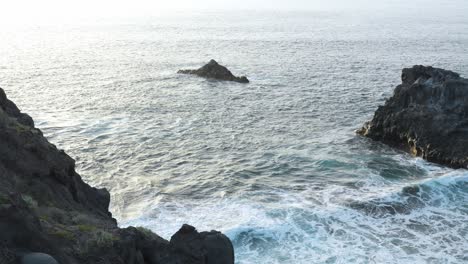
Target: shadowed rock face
[
  {"x": 196, "y": 247},
  {"x": 213, "y": 70},
  {"x": 48, "y": 214},
  {"x": 427, "y": 116}
]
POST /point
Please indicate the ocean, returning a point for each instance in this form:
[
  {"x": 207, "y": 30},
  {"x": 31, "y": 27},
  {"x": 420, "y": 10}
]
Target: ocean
[{"x": 274, "y": 164}]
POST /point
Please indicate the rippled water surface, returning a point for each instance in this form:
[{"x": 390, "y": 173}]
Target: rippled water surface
[{"x": 274, "y": 164}]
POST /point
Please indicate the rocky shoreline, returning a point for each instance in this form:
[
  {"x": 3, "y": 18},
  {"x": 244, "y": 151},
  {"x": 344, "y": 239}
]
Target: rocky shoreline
[
  {"x": 426, "y": 116},
  {"x": 49, "y": 215}
]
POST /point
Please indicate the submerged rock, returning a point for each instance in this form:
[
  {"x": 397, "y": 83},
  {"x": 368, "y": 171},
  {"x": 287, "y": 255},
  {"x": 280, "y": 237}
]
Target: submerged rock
[
  {"x": 426, "y": 116},
  {"x": 46, "y": 207},
  {"x": 213, "y": 70},
  {"x": 404, "y": 202}
]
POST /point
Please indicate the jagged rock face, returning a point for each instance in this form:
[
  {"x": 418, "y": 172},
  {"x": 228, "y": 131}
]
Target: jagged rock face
[
  {"x": 205, "y": 247},
  {"x": 48, "y": 213},
  {"x": 427, "y": 116},
  {"x": 213, "y": 70},
  {"x": 30, "y": 160}
]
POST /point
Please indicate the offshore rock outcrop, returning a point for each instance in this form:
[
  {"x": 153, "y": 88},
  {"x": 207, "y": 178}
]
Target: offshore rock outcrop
[
  {"x": 49, "y": 215},
  {"x": 213, "y": 70},
  {"x": 426, "y": 116}
]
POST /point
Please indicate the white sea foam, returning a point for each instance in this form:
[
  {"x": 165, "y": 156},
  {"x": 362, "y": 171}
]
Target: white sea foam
[{"x": 299, "y": 230}]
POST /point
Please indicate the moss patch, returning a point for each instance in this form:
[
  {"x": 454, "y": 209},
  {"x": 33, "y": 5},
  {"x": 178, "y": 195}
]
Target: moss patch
[
  {"x": 145, "y": 231},
  {"x": 4, "y": 199},
  {"x": 86, "y": 228},
  {"x": 29, "y": 201},
  {"x": 20, "y": 128},
  {"x": 44, "y": 218},
  {"x": 97, "y": 240},
  {"x": 63, "y": 234}
]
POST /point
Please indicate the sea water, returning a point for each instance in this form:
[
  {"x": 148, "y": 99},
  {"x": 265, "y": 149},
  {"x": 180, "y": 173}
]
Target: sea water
[{"x": 274, "y": 164}]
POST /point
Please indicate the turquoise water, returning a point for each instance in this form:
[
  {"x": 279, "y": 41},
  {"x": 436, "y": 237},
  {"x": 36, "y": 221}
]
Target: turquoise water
[{"x": 275, "y": 164}]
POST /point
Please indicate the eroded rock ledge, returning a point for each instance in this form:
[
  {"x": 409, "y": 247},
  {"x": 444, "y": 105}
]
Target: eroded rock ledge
[
  {"x": 48, "y": 214},
  {"x": 213, "y": 70},
  {"x": 426, "y": 116}
]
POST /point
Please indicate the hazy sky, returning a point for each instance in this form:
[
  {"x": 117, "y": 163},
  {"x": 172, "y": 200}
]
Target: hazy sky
[{"x": 35, "y": 10}]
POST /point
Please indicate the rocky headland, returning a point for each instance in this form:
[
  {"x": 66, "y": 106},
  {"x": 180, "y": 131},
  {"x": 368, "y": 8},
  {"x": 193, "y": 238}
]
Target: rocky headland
[
  {"x": 49, "y": 215},
  {"x": 426, "y": 116},
  {"x": 213, "y": 70}
]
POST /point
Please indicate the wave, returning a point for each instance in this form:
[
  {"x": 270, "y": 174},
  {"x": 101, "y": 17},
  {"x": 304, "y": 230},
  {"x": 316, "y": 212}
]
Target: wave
[
  {"x": 450, "y": 190},
  {"x": 425, "y": 222}
]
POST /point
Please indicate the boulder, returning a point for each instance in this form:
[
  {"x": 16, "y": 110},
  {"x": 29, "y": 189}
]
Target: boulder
[
  {"x": 38, "y": 258},
  {"x": 213, "y": 70},
  {"x": 202, "y": 248},
  {"x": 426, "y": 116}
]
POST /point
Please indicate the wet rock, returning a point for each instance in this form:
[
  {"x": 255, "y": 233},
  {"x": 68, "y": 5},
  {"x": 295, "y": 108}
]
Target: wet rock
[
  {"x": 426, "y": 116},
  {"x": 379, "y": 209},
  {"x": 213, "y": 70},
  {"x": 405, "y": 204},
  {"x": 411, "y": 190}
]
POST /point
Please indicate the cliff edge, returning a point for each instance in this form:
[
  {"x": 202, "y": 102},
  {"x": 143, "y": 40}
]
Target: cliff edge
[{"x": 49, "y": 215}]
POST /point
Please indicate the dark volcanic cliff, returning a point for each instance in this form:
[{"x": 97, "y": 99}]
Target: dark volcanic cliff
[
  {"x": 427, "y": 116},
  {"x": 46, "y": 207}
]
